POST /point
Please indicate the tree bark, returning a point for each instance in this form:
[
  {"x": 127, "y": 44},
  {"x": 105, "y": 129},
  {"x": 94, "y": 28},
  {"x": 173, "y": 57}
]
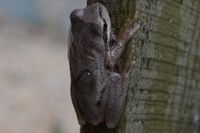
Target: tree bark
[{"x": 164, "y": 88}]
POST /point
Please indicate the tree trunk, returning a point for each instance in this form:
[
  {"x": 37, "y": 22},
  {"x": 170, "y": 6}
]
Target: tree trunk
[{"x": 164, "y": 88}]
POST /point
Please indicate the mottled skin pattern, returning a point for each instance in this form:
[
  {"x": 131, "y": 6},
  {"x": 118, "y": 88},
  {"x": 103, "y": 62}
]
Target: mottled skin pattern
[{"x": 96, "y": 85}]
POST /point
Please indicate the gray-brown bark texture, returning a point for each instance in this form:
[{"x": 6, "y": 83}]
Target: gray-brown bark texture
[{"x": 164, "y": 88}]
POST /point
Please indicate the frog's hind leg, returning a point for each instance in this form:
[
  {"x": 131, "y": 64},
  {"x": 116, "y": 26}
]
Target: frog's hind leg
[{"x": 115, "y": 101}]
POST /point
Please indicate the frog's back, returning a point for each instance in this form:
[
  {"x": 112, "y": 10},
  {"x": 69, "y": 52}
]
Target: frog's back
[{"x": 87, "y": 64}]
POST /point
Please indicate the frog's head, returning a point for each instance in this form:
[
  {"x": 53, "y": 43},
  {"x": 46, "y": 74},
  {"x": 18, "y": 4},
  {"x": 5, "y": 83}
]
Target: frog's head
[{"x": 95, "y": 16}]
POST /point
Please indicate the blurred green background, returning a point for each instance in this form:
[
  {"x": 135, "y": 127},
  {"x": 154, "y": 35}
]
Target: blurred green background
[{"x": 34, "y": 71}]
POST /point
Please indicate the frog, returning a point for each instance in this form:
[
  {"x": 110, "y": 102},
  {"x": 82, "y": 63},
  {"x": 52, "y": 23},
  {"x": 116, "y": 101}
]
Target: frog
[{"x": 97, "y": 87}]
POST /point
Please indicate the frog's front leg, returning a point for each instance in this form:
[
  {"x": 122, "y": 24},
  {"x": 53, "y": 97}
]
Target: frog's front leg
[{"x": 125, "y": 35}]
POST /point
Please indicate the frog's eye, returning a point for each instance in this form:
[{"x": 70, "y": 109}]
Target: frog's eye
[
  {"x": 100, "y": 11},
  {"x": 105, "y": 25},
  {"x": 105, "y": 31}
]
